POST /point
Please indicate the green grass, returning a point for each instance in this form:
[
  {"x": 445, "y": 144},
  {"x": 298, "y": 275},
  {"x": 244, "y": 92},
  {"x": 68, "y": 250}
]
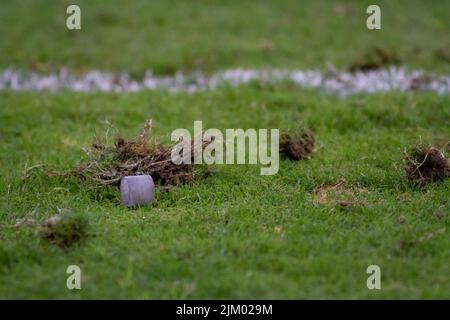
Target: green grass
[
  {"x": 167, "y": 36},
  {"x": 234, "y": 234}
]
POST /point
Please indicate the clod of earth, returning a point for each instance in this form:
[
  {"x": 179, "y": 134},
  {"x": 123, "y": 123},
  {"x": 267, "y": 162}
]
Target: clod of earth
[
  {"x": 109, "y": 163},
  {"x": 426, "y": 164},
  {"x": 297, "y": 146}
]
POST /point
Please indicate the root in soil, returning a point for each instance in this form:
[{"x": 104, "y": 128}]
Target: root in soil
[
  {"x": 297, "y": 145},
  {"x": 376, "y": 58},
  {"x": 425, "y": 164}
]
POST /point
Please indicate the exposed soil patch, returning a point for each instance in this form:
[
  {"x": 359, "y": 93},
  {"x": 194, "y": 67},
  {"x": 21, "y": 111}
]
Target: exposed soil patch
[
  {"x": 298, "y": 145},
  {"x": 376, "y": 58},
  {"x": 409, "y": 240},
  {"x": 425, "y": 164},
  {"x": 340, "y": 194}
]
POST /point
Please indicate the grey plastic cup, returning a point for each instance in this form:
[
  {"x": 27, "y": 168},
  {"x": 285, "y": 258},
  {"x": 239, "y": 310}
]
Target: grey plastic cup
[{"x": 137, "y": 190}]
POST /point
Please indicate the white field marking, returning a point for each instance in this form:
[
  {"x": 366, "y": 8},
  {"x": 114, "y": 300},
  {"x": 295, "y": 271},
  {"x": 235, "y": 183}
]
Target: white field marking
[{"x": 340, "y": 83}]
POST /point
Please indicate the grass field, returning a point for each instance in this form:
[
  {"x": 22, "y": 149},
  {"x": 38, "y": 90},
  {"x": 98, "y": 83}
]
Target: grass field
[{"x": 234, "y": 233}]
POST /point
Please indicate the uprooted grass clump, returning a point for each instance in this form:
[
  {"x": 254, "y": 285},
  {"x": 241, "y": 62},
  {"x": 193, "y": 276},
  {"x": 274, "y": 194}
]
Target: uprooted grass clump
[
  {"x": 109, "y": 162},
  {"x": 425, "y": 164},
  {"x": 297, "y": 145},
  {"x": 64, "y": 229}
]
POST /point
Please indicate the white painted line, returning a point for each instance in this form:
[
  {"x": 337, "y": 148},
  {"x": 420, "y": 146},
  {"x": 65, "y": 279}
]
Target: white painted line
[{"x": 341, "y": 83}]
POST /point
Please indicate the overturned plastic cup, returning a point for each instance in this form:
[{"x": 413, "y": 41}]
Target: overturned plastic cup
[{"x": 137, "y": 190}]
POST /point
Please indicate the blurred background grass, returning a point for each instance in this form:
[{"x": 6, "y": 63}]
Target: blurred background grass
[{"x": 166, "y": 36}]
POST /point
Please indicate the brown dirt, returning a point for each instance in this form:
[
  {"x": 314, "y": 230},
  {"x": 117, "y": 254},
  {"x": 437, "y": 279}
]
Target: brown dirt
[
  {"x": 340, "y": 194},
  {"x": 425, "y": 165},
  {"x": 376, "y": 58},
  {"x": 297, "y": 146},
  {"x": 108, "y": 164}
]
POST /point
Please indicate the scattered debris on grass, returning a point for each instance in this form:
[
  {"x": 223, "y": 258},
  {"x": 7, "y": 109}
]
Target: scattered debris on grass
[
  {"x": 64, "y": 229},
  {"x": 441, "y": 212},
  {"x": 297, "y": 145},
  {"x": 424, "y": 164},
  {"x": 432, "y": 235},
  {"x": 109, "y": 162},
  {"x": 409, "y": 240},
  {"x": 376, "y": 58},
  {"x": 340, "y": 194}
]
